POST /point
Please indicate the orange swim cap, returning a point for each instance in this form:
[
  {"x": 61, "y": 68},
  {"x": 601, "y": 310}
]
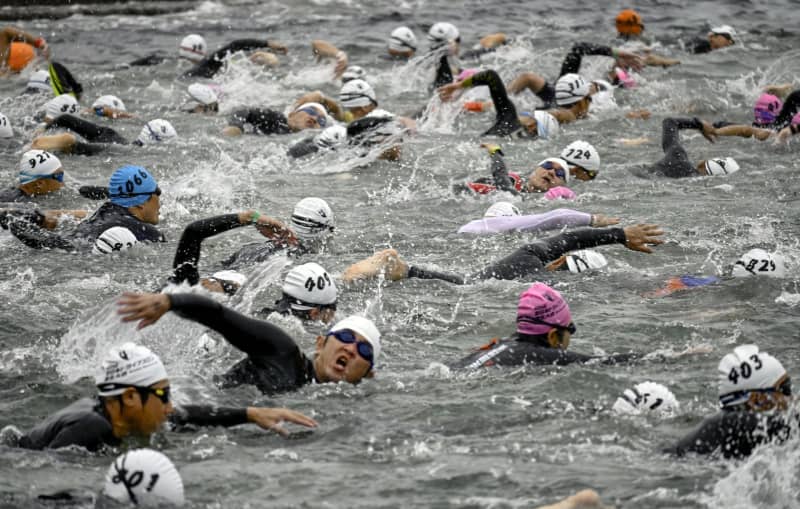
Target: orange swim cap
[
  {"x": 629, "y": 22},
  {"x": 20, "y": 54}
]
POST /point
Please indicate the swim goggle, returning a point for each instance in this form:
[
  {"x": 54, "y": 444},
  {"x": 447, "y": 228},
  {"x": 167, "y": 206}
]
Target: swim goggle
[
  {"x": 162, "y": 393},
  {"x": 571, "y": 328},
  {"x": 321, "y": 120},
  {"x": 348, "y": 337},
  {"x": 783, "y": 386},
  {"x": 58, "y": 176},
  {"x": 559, "y": 171}
]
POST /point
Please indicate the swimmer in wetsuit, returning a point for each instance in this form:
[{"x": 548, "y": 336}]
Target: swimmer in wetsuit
[
  {"x": 308, "y": 115},
  {"x": 133, "y": 399},
  {"x": 774, "y": 118},
  {"x": 676, "y": 164},
  {"x": 98, "y": 137},
  {"x": 717, "y": 38},
  {"x": 544, "y": 328},
  {"x": 134, "y": 203},
  {"x": 18, "y": 49},
  {"x": 40, "y": 173},
  {"x": 274, "y": 362},
  {"x": 754, "y": 392},
  {"x": 211, "y": 65},
  {"x": 527, "y": 261},
  {"x": 551, "y": 173}
]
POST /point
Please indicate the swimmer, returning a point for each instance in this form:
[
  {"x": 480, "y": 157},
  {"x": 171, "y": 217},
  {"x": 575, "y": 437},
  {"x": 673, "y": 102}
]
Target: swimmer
[
  {"x": 630, "y": 26},
  {"x": 308, "y": 293},
  {"x": 583, "y": 160},
  {"x": 307, "y": 115},
  {"x": 331, "y": 138},
  {"x": 527, "y": 261},
  {"x": 192, "y": 48},
  {"x": 550, "y": 173},
  {"x": 110, "y": 106},
  {"x": 544, "y": 329},
  {"x": 204, "y": 99},
  {"x": 773, "y": 117},
  {"x": 274, "y": 363},
  {"x": 134, "y": 399},
  {"x": 504, "y": 217},
  {"x": 18, "y": 49},
  {"x": 646, "y": 398},
  {"x": 144, "y": 477},
  {"x": 323, "y": 49},
  {"x": 717, "y": 38},
  {"x": 445, "y": 41},
  {"x": 584, "y": 499},
  {"x": 754, "y": 263},
  {"x": 754, "y": 392},
  {"x": 212, "y": 64},
  {"x": 402, "y": 44},
  {"x": 40, "y": 173},
  {"x": 676, "y": 164},
  {"x": 134, "y": 203},
  {"x": 357, "y": 99},
  {"x": 97, "y": 137}
]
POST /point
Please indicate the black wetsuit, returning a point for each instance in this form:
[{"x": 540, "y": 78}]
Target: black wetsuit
[
  {"x": 572, "y": 62},
  {"x": 532, "y": 258},
  {"x": 700, "y": 45},
  {"x": 734, "y": 433},
  {"x": 261, "y": 121},
  {"x": 675, "y": 163},
  {"x": 187, "y": 256},
  {"x": 506, "y": 120},
  {"x": 14, "y": 194},
  {"x": 274, "y": 362},
  {"x": 85, "y": 423},
  {"x": 95, "y": 134},
  {"x": 84, "y": 235},
  {"x": 360, "y": 132},
  {"x": 211, "y": 65},
  {"x": 522, "y": 349}
]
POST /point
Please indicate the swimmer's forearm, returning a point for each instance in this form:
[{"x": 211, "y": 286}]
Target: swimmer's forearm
[{"x": 51, "y": 217}]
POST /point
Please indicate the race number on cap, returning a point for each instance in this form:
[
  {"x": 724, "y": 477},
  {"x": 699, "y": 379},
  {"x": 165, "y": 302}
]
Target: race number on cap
[
  {"x": 758, "y": 262},
  {"x": 144, "y": 477},
  {"x": 646, "y": 397},
  {"x": 746, "y": 369}
]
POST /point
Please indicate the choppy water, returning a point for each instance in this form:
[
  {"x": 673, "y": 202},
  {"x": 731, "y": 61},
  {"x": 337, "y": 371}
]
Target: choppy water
[{"x": 419, "y": 436}]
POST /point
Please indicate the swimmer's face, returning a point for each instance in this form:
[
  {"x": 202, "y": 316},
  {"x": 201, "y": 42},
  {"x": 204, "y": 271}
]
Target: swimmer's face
[
  {"x": 401, "y": 53},
  {"x": 530, "y": 125},
  {"x": 299, "y": 120},
  {"x": 340, "y": 362},
  {"x": 150, "y": 209},
  {"x": 45, "y": 185},
  {"x": 701, "y": 167},
  {"x": 582, "y": 173},
  {"x": 149, "y": 412},
  {"x": 324, "y": 315},
  {"x": 581, "y": 108},
  {"x": 544, "y": 179},
  {"x": 719, "y": 41}
]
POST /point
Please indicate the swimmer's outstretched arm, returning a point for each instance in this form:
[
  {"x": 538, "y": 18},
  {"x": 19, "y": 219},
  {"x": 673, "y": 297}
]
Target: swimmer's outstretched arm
[
  {"x": 744, "y": 131},
  {"x": 251, "y": 336},
  {"x": 506, "y": 121},
  {"x": 266, "y": 418},
  {"x": 572, "y": 62},
  {"x": 499, "y": 170},
  {"x": 551, "y": 220},
  {"x": 635, "y": 238},
  {"x": 324, "y": 49}
]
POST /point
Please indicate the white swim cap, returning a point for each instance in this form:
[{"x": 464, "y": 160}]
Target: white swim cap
[
  {"x": 441, "y": 34},
  {"x": 156, "y": 131},
  {"x": 745, "y": 370},
  {"x": 366, "y": 328},
  {"x": 312, "y": 218},
  {"x": 720, "y": 166},
  {"x": 502, "y": 209},
  {"x": 230, "y": 275},
  {"x": 36, "y": 164},
  {"x": 144, "y": 477},
  {"x": 5, "y": 127},
  {"x": 193, "y": 47},
  {"x": 115, "y": 239},
  {"x": 309, "y": 285},
  {"x": 726, "y": 30},
  {"x": 402, "y": 39},
  {"x": 603, "y": 99},
  {"x": 109, "y": 101},
  {"x": 357, "y": 93},
  {"x": 39, "y": 80},
  {"x": 560, "y": 162},
  {"x": 60, "y": 105},
  {"x": 646, "y": 397},
  {"x": 331, "y": 137},
  {"x": 758, "y": 262},
  {"x": 547, "y": 125},
  {"x": 203, "y": 94},
  {"x": 126, "y": 366},
  {"x": 571, "y": 88},
  {"x": 584, "y": 260},
  {"x": 583, "y": 154},
  {"x": 354, "y": 72}
]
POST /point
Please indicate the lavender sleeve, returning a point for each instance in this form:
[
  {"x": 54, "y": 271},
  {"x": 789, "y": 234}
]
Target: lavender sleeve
[{"x": 531, "y": 223}]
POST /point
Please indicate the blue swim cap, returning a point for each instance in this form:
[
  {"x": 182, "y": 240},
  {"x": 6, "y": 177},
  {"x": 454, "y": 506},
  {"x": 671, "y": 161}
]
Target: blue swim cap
[{"x": 131, "y": 185}]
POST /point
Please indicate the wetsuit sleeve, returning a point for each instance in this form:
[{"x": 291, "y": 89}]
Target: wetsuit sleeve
[
  {"x": 475, "y": 54},
  {"x": 530, "y": 223},
  {"x": 700, "y": 45},
  {"x": 210, "y": 65},
  {"x": 87, "y": 149},
  {"x": 506, "y": 121},
  {"x": 89, "y": 434},
  {"x": 152, "y": 59},
  {"x": 790, "y": 108},
  {"x": 303, "y": 148},
  {"x": 450, "y": 277},
  {"x": 572, "y": 62},
  {"x": 502, "y": 180},
  {"x": 203, "y": 415},
  {"x": 670, "y": 131},
  {"x": 94, "y": 192},
  {"x": 253, "y": 337},
  {"x": 187, "y": 255},
  {"x": 89, "y": 131},
  {"x": 444, "y": 74},
  {"x": 263, "y": 121},
  {"x": 36, "y": 238}
]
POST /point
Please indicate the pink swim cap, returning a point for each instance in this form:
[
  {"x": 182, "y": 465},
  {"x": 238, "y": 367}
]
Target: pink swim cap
[
  {"x": 562, "y": 192},
  {"x": 466, "y": 73},
  {"x": 625, "y": 79},
  {"x": 796, "y": 119},
  {"x": 767, "y": 108},
  {"x": 540, "y": 303}
]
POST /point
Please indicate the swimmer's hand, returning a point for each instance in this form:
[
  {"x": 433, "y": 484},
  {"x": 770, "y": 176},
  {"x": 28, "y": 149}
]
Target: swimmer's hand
[
  {"x": 628, "y": 60},
  {"x": 493, "y": 40},
  {"x": 449, "y": 92},
  {"x": 599, "y": 220},
  {"x": 708, "y": 131},
  {"x": 146, "y": 308},
  {"x": 276, "y": 230},
  {"x": 271, "y": 419},
  {"x": 638, "y": 237},
  {"x": 387, "y": 263},
  {"x": 783, "y": 135}
]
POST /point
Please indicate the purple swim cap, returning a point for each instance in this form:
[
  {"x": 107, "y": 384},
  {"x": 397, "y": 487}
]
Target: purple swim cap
[
  {"x": 540, "y": 303},
  {"x": 767, "y": 108}
]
